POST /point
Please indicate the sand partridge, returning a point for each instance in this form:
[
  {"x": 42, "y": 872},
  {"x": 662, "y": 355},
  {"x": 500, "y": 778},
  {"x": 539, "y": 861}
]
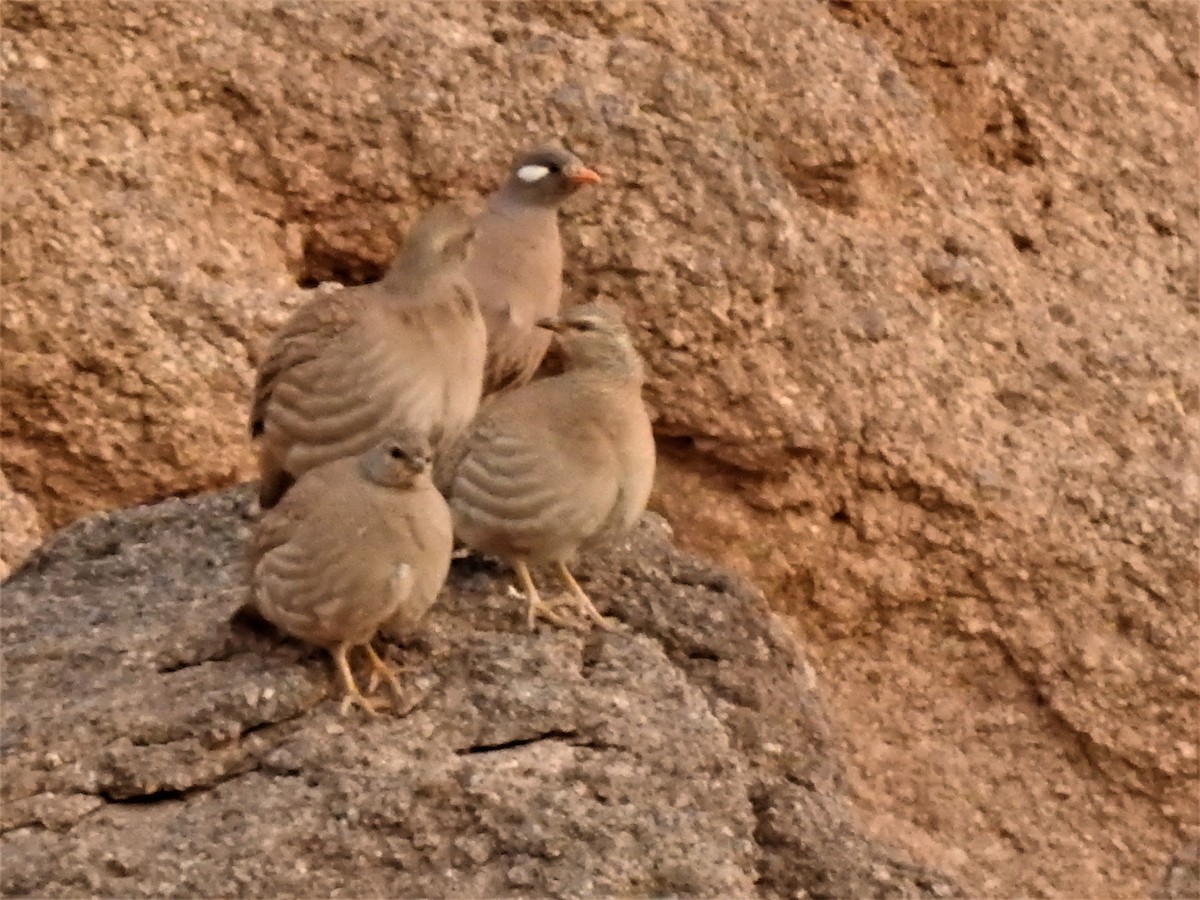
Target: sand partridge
[
  {"x": 407, "y": 351},
  {"x": 516, "y": 261},
  {"x": 353, "y": 544},
  {"x": 561, "y": 463}
]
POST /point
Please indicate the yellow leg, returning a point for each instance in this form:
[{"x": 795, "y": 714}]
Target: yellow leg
[
  {"x": 380, "y": 670},
  {"x": 353, "y": 694},
  {"x": 582, "y": 600},
  {"x": 536, "y": 606}
]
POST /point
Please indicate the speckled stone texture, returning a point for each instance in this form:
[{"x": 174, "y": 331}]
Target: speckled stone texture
[{"x": 154, "y": 747}]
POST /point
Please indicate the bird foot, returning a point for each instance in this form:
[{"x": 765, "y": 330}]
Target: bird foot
[
  {"x": 540, "y": 609},
  {"x": 575, "y": 601},
  {"x": 581, "y": 601},
  {"x": 381, "y": 671},
  {"x": 355, "y": 698},
  {"x": 591, "y": 615},
  {"x": 573, "y": 614}
]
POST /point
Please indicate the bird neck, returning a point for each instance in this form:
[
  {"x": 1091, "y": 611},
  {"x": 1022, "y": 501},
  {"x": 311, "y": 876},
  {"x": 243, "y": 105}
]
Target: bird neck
[
  {"x": 415, "y": 276},
  {"x": 515, "y": 198},
  {"x": 624, "y": 366}
]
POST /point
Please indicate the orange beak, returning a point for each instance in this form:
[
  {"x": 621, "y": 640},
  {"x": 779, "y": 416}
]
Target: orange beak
[{"x": 583, "y": 176}]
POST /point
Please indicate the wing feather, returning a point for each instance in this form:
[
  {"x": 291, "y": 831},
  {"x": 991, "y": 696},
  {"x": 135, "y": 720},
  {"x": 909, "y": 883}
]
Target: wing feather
[
  {"x": 302, "y": 339},
  {"x": 522, "y": 489}
]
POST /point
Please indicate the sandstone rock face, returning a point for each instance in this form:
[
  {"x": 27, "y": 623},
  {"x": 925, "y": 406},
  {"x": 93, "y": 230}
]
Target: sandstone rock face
[
  {"x": 685, "y": 753},
  {"x": 917, "y": 284}
]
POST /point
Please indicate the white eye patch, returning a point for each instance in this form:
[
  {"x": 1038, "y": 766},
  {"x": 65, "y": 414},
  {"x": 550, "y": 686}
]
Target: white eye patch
[{"x": 532, "y": 173}]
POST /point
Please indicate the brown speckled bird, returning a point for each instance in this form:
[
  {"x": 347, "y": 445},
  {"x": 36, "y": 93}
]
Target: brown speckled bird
[
  {"x": 353, "y": 544},
  {"x": 407, "y": 351},
  {"x": 516, "y": 261},
  {"x": 561, "y": 463}
]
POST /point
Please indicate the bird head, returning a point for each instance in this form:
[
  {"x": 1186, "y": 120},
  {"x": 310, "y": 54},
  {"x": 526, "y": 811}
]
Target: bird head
[
  {"x": 441, "y": 236},
  {"x": 592, "y": 335},
  {"x": 400, "y": 460},
  {"x": 547, "y": 176}
]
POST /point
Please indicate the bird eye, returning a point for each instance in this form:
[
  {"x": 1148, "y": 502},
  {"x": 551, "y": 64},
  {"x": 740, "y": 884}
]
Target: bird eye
[
  {"x": 396, "y": 453},
  {"x": 585, "y": 325},
  {"x": 554, "y": 168}
]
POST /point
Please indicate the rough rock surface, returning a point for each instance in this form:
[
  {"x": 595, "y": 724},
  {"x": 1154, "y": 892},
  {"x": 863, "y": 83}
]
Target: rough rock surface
[
  {"x": 1182, "y": 878},
  {"x": 917, "y": 284},
  {"x": 20, "y": 526},
  {"x": 152, "y": 748}
]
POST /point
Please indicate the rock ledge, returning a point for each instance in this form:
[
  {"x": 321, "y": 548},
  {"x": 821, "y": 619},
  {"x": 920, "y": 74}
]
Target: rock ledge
[{"x": 152, "y": 748}]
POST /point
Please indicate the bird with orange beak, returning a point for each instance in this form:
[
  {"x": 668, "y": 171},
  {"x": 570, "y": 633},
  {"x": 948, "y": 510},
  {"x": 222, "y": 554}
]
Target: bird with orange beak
[{"x": 516, "y": 261}]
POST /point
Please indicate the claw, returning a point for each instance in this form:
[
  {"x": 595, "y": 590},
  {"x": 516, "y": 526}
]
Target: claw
[
  {"x": 353, "y": 695},
  {"x": 381, "y": 671},
  {"x": 538, "y": 608},
  {"x": 370, "y": 707},
  {"x": 582, "y": 601}
]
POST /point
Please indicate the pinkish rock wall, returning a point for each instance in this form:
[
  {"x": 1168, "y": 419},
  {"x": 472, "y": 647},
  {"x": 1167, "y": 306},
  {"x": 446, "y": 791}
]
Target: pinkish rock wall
[{"x": 916, "y": 283}]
